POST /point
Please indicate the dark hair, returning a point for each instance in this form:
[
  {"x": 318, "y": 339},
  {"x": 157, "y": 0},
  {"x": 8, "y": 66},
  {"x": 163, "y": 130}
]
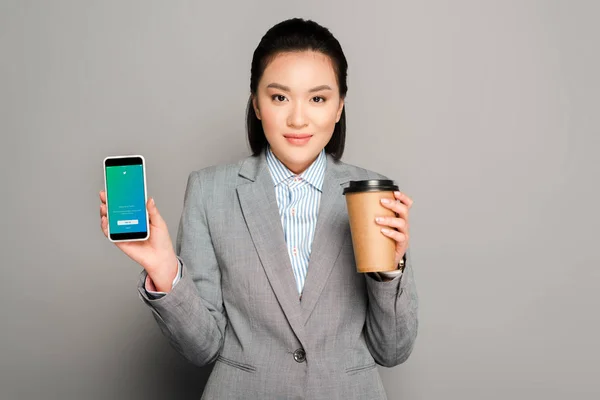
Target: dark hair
[{"x": 292, "y": 35}]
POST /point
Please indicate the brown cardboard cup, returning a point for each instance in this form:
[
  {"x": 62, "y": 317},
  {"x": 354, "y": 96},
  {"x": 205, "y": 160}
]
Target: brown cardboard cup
[{"x": 373, "y": 251}]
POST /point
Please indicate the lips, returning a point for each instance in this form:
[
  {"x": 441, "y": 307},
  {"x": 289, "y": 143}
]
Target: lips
[
  {"x": 298, "y": 139},
  {"x": 297, "y": 135}
]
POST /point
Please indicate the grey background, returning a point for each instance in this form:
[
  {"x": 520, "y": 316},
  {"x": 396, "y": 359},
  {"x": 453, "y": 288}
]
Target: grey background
[{"x": 485, "y": 112}]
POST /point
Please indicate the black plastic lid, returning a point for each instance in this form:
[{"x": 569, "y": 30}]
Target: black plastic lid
[{"x": 371, "y": 185}]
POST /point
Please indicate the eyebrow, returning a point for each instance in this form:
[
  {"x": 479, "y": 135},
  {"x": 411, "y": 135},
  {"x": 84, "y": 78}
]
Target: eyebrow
[{"x": 287, "y": 89}]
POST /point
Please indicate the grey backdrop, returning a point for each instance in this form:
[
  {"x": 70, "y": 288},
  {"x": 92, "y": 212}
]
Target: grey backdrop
[{"x": 485, "y": 112}]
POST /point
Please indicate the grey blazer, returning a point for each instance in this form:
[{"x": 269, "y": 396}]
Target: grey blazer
[{"x": 237, "y": 304}]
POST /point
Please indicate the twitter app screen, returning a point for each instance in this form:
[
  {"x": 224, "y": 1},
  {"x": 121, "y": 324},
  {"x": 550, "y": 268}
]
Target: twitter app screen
[{"x": 125, "y": 198}]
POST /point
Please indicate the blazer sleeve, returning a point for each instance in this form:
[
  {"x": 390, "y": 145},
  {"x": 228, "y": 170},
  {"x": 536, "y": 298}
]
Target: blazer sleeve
[
  {"x": 392, "y": 314},
  {"x": 192, "y": 315},
  {"x": 392, "y": 322}
]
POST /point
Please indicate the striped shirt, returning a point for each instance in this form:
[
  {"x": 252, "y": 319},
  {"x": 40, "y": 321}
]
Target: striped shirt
[{"x": 298, "y": 199}]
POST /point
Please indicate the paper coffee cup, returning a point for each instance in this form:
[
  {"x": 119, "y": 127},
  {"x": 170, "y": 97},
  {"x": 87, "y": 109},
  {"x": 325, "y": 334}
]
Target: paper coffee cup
[{"x": 373, "y": 251}]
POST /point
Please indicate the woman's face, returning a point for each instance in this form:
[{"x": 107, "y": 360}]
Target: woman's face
[{"x": 298, "y": 103}]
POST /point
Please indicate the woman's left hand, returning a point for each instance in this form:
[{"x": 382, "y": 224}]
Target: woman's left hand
[{"x": 401, "y": 207}]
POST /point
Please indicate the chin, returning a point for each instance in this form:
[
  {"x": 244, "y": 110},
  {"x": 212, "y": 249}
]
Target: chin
[
  {"x": 301, "y": 154},
  {"x": 293, "y": 156}
]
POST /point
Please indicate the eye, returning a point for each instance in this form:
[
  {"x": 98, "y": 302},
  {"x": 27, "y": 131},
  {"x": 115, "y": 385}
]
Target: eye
[
  {"x": 278, "y": 98},
  {"x": 318, "y": 99}
]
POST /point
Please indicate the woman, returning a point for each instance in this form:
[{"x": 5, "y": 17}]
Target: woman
[{"x": 263, "y": 279}]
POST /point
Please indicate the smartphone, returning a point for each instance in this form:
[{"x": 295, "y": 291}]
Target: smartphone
[{"x": 125, "y": 187}]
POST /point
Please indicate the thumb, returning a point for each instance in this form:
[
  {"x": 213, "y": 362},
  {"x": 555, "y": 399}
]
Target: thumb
[{"x": 155, "y": 218}]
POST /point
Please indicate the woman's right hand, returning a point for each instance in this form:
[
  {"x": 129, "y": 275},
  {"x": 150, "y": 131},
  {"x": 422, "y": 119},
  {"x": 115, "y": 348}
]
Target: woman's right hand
[{"x": 156, "y": 254}]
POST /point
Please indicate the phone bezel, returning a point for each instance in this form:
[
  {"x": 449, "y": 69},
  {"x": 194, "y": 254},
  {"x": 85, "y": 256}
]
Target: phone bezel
[{"x": 126, "y": 160}]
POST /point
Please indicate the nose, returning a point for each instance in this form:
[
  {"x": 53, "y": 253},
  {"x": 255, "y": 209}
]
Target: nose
[{"x": 297, "y": 117}]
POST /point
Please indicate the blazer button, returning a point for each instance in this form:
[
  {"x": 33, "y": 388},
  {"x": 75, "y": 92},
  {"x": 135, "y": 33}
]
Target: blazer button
[{"x": 300, "y": 355}]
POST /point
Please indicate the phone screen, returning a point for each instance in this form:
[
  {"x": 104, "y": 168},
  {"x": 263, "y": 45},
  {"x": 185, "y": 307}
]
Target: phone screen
[{"x": 126, "y": 198}]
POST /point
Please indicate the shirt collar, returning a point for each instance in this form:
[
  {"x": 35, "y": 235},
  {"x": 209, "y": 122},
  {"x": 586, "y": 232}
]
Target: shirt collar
[{"x": 314, "y": 174}]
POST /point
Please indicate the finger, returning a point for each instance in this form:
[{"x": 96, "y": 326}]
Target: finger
[
  {"x": 404, "y": 199},
  {"x": 399, "y": 208},
  {"x": 155, "y": 218},
  {"x": 102, "y": 210},
  {"x": 103, "y": 196},
  {"x": 104, "y": 225},
  {"x": 399, "y": 237},
  {"x": 398, "y": 223}
]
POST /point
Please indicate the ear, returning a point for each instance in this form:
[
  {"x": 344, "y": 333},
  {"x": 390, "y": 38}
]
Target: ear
[
  {"x": 339, "y": 111},
  {"x": 255, "y": 106}
]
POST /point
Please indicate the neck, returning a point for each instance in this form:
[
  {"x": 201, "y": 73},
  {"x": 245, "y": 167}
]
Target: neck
[{"x": 296, "y": 168}]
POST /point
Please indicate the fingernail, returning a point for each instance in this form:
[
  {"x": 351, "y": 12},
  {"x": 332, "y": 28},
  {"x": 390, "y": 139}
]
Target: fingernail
[
  {"x": 398, "y": 193},
  {"x": 379, "y": 219},
  {"x": 152, "y": 201},
  {"x": 384, "y": 230},
  {"x": 385, "y": 201}
]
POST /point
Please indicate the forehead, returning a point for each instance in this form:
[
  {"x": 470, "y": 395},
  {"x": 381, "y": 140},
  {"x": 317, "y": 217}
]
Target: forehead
[{"x": 300, "y": 70}]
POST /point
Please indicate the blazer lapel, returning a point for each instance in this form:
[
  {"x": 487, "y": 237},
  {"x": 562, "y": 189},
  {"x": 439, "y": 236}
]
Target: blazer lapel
[
  {"x": 261, "y": 213},
  {"x": 329, "y": 236}
]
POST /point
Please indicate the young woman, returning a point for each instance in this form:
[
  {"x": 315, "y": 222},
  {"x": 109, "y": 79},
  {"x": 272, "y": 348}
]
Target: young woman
[{"x": 263, "y": 279}]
